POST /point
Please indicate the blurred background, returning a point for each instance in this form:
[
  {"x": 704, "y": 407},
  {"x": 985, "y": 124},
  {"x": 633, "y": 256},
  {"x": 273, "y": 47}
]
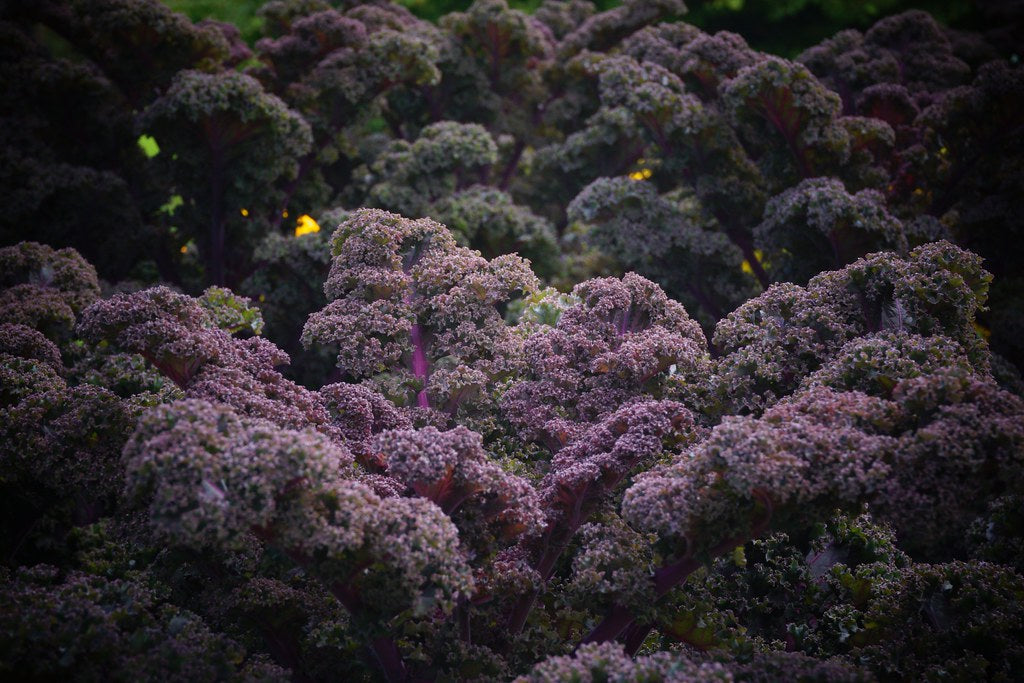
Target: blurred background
[{"x": 783, "y": 27}]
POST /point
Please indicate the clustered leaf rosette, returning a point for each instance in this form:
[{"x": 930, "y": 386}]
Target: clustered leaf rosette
[
  {"x": 410, "y": 546},
  {"x": 88, "y": 626},
  {"x": 487, "y": 219},
  {"x": 667, "y": 237},
  {"x": 287, "y": 282},
  {"x": 914, "y": 615},
  {"x": 505, "y": 46},
  {"x": 59, "y": 442},
  {"x": 910, "y": 50},
  {"x": 626, "y": 478},
  {"x": 24, "y": 342},
  {"x": 608, "y": 661},
  {"x": 771, "y": 343},
  {"x": 417, "y": 315},
  {"x": 358, "y": 414},
  {"x": 946, "y": 443},
  {"x": 489, "y": 505},
  {"x": 693, "y": 107},
  {"x": 229, "y": 312},
  {"x": 612, "y": 566},
  {"x": 492, "y": 65},
  {"x": 446, "y": 158},
  {"x": 854, "y": 596},
  {"x": 963, "y": 437},
  {"x": 734, "y": 481},
  {"x": 128, "y": 375},
  {"x": 560, "y": 17},
  {"x": 29, "y": 362},
  {"x": 54, "y": 188},
  {"x": 599, "y": 32},
  {"x": 875, "y": 363},
  {"x": 843, "y": 447},
  {"x": 178, "y": 335},
  {"x": 245, "y": 376},
  {"x": 786, "y": 121},
  {"x": 45, "y": 288},
  {"x": 304, "y": 43},
  {"x": 447, "y": 174},
  {"x": 210, "y": 476},
  {"x": 60, "y": 434},
  {"x": 162, "y": 325},
  {"x": 622, "y": 340},
  {"x": 704, "y": 61},
  {"x": 66, "y": 441},
  {"x": 227, "y": 141},
  {"x": 584, "y": 473},
  {"x": 584, "y": 477},
  {"x": 954, "y": 107},
  {"x": 140, "y": 46},
  {"x": 211, "y": 479},
  {"x": 817, "y": 225},
  {"x": 893, "y": 616},
  {"x": 333, "y": 66}
]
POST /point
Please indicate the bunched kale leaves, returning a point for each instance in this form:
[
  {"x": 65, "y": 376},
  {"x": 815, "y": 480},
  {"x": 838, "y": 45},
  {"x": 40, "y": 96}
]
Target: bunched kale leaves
[{"x": 622, "y": 350}]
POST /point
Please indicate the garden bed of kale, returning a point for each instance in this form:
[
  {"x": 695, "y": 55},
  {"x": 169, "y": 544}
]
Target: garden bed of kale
[{"x": 569, "y": 345}]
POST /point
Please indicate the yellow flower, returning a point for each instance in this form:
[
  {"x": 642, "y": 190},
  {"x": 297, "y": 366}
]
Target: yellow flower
[
  {"x": 305, "y": 225},
  {"x": 642, "y": 174},
  {"x": 745, "y": 266}
]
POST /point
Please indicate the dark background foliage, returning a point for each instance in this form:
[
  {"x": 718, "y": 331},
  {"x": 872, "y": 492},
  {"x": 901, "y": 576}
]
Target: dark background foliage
[{"x": 785, "y": 28}]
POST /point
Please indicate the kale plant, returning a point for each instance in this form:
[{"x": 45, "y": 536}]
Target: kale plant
[{"x": 565, "y": 345}]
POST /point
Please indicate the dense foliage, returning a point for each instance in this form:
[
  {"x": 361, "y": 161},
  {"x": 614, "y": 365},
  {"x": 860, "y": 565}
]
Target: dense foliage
[{"x": 572, "y": 345}]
